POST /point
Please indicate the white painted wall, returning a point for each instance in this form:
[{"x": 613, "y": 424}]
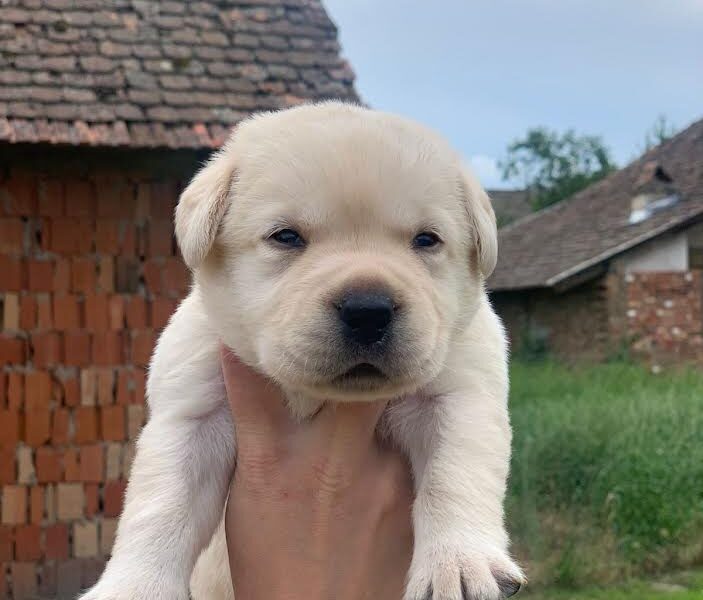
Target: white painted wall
[{"x": 667, "y": 253}]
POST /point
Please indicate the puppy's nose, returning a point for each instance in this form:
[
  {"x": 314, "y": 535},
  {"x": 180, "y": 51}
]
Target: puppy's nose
[{"x": 366, "y": 316}]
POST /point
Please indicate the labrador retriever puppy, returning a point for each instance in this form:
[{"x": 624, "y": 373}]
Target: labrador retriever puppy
[{"x": 342, "y": 252}]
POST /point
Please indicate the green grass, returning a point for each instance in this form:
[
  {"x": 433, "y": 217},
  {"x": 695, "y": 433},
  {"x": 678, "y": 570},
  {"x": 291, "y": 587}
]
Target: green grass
[
  {"x": 607, "y": 476},
  {"x": 686, "y": 586}
]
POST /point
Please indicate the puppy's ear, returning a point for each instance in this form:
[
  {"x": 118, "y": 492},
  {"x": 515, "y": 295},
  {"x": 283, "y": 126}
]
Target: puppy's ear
[
  {"x": 482, "y": 219},
  {"x": 202, "y": 205}
]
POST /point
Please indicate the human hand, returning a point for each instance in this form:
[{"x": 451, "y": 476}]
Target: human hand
[{"x": 317, "y": 510}]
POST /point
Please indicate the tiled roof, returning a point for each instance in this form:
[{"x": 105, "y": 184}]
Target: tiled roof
[
  {"x": 172, "y": 73},
  {"x": 510, "y": 205},
  {"x": 550, "y": 246}
]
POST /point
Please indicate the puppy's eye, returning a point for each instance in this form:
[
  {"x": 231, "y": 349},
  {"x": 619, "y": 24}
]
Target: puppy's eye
[
  {"x": 288, "y": 237},
  {"x": 426, "y": 239}
]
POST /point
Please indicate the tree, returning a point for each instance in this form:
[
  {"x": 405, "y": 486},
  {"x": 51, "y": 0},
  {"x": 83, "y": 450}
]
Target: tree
[
  {"x": 660, "y": 131},
  {"x": 555, "y": 166}
]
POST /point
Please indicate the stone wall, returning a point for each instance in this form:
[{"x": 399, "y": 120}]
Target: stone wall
[{"x": 89, "y": 275}]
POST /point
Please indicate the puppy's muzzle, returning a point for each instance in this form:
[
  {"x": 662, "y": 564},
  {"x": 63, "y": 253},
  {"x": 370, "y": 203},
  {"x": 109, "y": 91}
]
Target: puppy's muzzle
[{"x": 366, "y": 317}]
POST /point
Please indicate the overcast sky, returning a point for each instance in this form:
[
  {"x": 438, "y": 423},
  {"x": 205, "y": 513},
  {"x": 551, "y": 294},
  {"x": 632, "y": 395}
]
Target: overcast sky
[{"x": 484, "y": 71}]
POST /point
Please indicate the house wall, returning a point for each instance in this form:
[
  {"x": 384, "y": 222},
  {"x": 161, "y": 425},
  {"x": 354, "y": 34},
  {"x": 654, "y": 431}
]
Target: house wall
[
  {"x": 668, "y": 253},
  {"x": 656, "y": 316},
  {"x": 89, "y": 275},
  {"x": 572, "y": 325}
]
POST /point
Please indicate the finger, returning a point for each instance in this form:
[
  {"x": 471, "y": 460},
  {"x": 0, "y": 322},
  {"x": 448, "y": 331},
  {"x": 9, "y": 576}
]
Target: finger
[{"x": 257, "y": 404}]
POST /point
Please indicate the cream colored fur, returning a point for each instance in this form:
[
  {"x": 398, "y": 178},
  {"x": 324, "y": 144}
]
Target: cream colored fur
[{"x": 358, "y": 185}]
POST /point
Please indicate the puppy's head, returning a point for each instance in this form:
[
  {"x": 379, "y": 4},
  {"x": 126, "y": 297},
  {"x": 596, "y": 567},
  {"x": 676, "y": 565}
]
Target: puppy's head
[{"x": 337, "y": 249}]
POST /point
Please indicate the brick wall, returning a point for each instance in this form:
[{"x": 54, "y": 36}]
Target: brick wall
[
  {"x": 89, "y": 275},
  {"x": 572, "y": 324},
  {"x": 665, "y": 316},
  {"x": 657, "y": 316}
]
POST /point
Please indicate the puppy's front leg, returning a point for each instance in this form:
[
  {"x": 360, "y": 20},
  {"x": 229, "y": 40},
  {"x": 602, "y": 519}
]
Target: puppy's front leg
[
  {"x": 459, "y": 446},
  {"x": 174, "y": 500},
  {"x": 180, "y": 475}
]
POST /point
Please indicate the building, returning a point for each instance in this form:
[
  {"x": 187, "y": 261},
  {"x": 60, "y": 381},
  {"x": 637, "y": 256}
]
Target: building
[
  {"x": 106, "y": 110},
  {"x": 619, "y": 266},
  {"x": 510, "y": 205}
]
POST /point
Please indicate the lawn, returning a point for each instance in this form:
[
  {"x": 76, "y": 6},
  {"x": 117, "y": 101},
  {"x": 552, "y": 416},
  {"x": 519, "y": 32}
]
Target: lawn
[
  {"x": 682, "y": 586},
  {"x": 607, "y": 476}
]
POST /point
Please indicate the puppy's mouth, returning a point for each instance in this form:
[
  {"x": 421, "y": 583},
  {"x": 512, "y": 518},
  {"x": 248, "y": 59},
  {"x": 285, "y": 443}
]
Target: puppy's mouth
[{"x": 362, "y": 372}]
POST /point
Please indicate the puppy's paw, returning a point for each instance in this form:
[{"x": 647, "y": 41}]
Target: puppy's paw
[
  {"x": 474, "y": 575},
  {"x": 131, "y": 591}
]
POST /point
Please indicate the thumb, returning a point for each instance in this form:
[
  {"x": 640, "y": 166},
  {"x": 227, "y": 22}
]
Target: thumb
[{"x": 257, "y": 404}]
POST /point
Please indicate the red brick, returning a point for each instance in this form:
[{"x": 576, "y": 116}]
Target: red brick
[
  {"x": 24, "y": 580},
  {"x": 59, "y": 426},
  {"x": 11, "y": 236},
  {"x": 107, "y": 236},
  {"x": 14, "y": 505},
  {"x": 18, "y": 196},
  {"x": 28, "y": 312},
  {"x": 96, "y": 312},
  {"x": 27, "y": 542},
  {"x": 46, "y": 349},
  {"x": 112, "y": 422},
  {"x": 108, "y": 349},
  {"x": 92, "y": 500},
  {"x": 116, "y": 312},
  {"x": 56, "y": 541},
  {"x": 92, "y": 463},
  {"x": 51, "y": 197},
  {"x": 71, "y": 391},
  {"x": 139, "y": 377},
  {"x": 37, "y": 386},
  {"x": 9, "y": 428},
  {"x": 106, "y": 385},
  {"x": 40, "y": 235},
  {"x": 67, "y": 314},
  {"x": 3, "y": 390},
  {"x": 136, "y": 312},
  {"x": 36, "y": 504},
  {"x": 106, "y": 274},
  {"x": 160, "y": 238},
  {"x": 111, "y": 193},
  {"x": 152, "y": 271},
  {"x": 13, "y": 274},
  {"x": 62, "y": 275},
  {"x": 8, "y": 471},
  {"x": 12, "y": 350},
  {"x": 86, "y": 424},
  {"x": 37, "y": 413},
  {"x": 76, "y": 346},
  {"x": 127, "y": 276},
  {"x": 71, "y": 465},
  {"x": 15, "y": 390},
  {"x": 71, "y": 236},
  {"x": 125, "y": 388},
  {"x": 80, "y": 199},
  {"x": 130, "y": 240},
  {"x": 161, "y": 310},
  {"x": 48, "y": 465},
  {"x": 113, "y": 498},
  {"x": 164, "y": 195},
  {"x": 142, "y": 346},
  {"x": 83, "y": 277},
  {"x": 68, "y": 579},
  {"x": 41, "y": 275},
  {"x": 6, "y": 548},
  {"x": 45, "y": 317}
]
